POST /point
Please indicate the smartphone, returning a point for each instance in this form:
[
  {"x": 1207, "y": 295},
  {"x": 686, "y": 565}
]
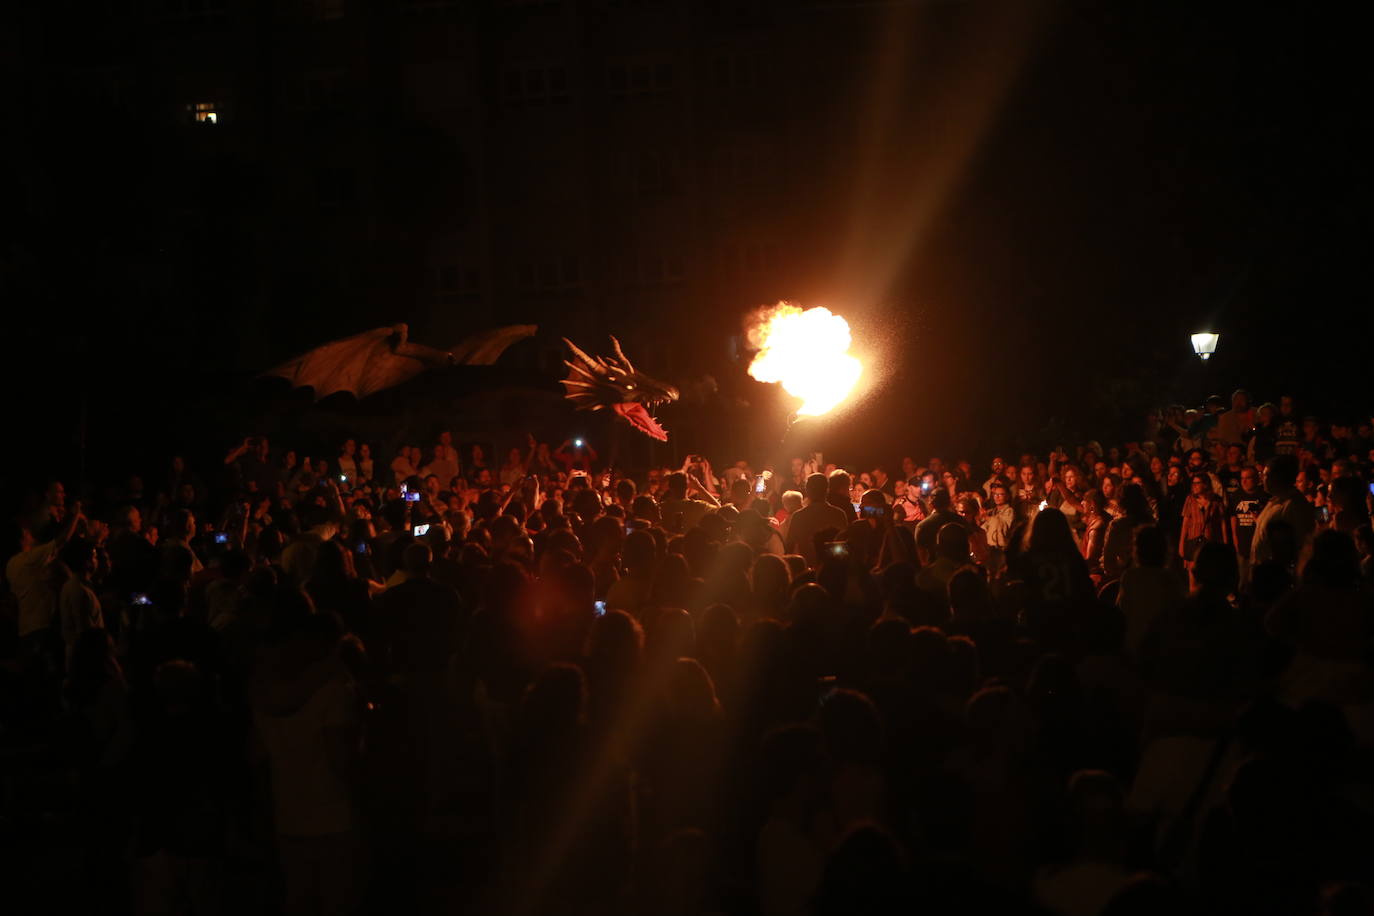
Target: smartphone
[
  {"x": 760, "y": 484},
  {"x": 222, "y": 538},
  {"x": 874, "y": 511},
  {"x": 578, "y": 443},
  {"x": 1371, "y": 489},
  {"x": 140, "y": 599},
  {"x": 343, "y": 478},
  {"x": 1324, "y": 514},
  {"x": 925, "y": 486},
  {"x": 420, "y": 530},
  {"x": 599, "y": 608},
  {"x": 838, "y": 549},
  {"x": 362, "y": 549},
  {"x": 412, "y": 497}
]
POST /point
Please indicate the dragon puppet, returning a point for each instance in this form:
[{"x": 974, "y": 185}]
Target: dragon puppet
[
  {"x": 384, "y": 357},
  {"x": 612, "y": 382}
]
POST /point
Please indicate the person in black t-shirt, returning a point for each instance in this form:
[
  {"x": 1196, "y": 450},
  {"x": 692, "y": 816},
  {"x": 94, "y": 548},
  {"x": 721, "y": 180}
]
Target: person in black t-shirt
[
  {"x": 1243, "y": 510},
  {"x": 1228, "y": 475}
]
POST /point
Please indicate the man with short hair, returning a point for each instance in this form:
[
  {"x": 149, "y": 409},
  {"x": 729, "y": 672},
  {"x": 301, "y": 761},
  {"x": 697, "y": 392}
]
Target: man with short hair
[
  {"x": 927, "y": 532},
  {"x": 1229, "y": 472},
  {"x": 816, "y": 516},
  {"x": 32, "y": 575},
  {"x": 1243, "y": 511},
  {"x": 997, "y": 524},
  {"x": 1233, "y": 424},
  {"x": 1285, "y": 504},
  {"x": 840, "y": 485},
  {"x": 1287, "y": 428},
  {"x": 424, "y": 619},
  {"x": 998, "y": 467},
  {"x": 680, "y": 513}
]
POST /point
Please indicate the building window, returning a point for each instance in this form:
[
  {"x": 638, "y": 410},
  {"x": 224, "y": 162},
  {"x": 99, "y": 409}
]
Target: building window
[
  {"x": 190, "y": 10},
  {"x": 737, "y": 71},
  {"x": 641, "y": 79},
  {"x": 326, "y": 10},
  {"x": 334, "y": 187},
  {"x": 455, "y": 284},
  {"x": 548, "y": 275},
  {"x": 652, "y": 269},
  {"x": 202, "y": 113},
  {"x": 652, "y": 173},
  {"x": 536, "y": 85},
  {"x": 324, "y": 91}
]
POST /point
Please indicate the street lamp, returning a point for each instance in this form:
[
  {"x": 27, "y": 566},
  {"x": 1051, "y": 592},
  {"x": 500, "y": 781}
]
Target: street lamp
[{"x": 1205, "y": 343}]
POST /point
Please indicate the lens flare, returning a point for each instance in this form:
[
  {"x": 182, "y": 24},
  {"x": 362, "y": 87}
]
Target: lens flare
[{"x": 807, "y": 352}]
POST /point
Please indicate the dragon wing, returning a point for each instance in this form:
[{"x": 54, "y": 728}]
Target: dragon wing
[
  {"x": 383, "y": 357},
  {"x": 360, "y": 364},
  {"x": 485, "y": 348}
]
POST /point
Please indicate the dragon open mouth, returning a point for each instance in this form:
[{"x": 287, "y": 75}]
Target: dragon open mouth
[{"x": 637, "y": 416}]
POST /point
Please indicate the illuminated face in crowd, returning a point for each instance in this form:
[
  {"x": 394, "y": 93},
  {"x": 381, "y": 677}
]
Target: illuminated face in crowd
[
  {"x": 997, "y": 465},
  {"x": 1175, "y": 475},
  {"x": 1100, "y": 470},
  {"x": 1249, "y": 482},
  {"x": 1027, "y": 476},
  {"x": 1199, "y": 485},
  {"x": 1071, "y": 478},
  {"x": 999, "y": 496},
  {"x": 1108, "y": 488}
]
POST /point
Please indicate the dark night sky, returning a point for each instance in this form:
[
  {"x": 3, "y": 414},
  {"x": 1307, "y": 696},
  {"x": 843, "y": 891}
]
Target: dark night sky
[{"x": 1151, "y": 169}]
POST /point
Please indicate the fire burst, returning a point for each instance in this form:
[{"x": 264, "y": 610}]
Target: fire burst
[{"x": 807, "y": 352}]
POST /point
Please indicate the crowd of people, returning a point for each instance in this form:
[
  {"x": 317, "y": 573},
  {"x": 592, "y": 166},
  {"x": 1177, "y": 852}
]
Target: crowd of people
[{"x": 1126, "y": 680}]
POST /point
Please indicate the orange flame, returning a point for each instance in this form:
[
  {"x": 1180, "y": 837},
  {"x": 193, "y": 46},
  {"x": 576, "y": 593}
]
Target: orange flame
[{"x": 807, "y": 352}]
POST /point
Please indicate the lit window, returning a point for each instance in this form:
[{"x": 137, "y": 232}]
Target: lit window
[{"x": 203, "y": 113}]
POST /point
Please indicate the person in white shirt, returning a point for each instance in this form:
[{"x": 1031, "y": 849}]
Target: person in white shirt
[
  {"x": 32, "y": 577},
  {"x": 306, "y": 722},
  {"x": 444, "y": 464},
  {"x": 403, "y": 465}
]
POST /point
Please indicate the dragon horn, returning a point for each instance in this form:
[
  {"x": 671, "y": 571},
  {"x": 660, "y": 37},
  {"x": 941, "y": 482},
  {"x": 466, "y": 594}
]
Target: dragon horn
[
  {"x": 615, "y": 344},
  {"x": 579, "y": 369},
  {"x": 580, "y": 355}
]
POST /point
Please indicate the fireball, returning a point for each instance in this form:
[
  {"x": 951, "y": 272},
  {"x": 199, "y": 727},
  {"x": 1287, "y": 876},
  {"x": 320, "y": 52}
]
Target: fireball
[{"x": 807, "y": 352}]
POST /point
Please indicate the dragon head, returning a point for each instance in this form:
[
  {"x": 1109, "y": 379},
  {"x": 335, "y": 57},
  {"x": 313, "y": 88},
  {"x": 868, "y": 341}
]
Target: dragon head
[{"x": 596, "y": 383}]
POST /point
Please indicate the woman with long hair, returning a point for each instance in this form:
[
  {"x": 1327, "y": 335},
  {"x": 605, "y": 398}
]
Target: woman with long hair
[
  {"x": 1094, "y": 530},
  {"x": 364, "y": 461},
  {"x": 1135, "y": 511}
]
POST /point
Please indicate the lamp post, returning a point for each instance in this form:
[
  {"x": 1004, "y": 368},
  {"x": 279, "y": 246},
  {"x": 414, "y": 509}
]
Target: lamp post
[{"x": 1205, "y": 343}]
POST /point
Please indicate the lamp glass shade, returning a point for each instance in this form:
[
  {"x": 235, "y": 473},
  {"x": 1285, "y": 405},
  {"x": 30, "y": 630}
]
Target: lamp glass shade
[{"x": 1205, "y": 343}]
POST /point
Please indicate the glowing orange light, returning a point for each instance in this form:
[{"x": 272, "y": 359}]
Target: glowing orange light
[{"x": 807, "y": 352}]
